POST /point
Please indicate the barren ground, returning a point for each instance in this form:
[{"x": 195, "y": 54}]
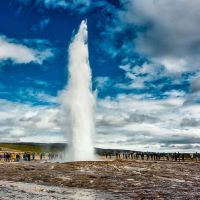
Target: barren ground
[{"x": 107, "y": 179}]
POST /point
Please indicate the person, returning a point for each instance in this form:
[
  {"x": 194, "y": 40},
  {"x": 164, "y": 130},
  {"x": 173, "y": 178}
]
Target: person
[
  {"x": 126, "y": 155},
  {"x": 119, "y": 155},
  {"x": 33, "y": 155},
  {"x": 131, "y": 155},
  {"x": 147, "y": 156},
  {"x": 24, "y": 156},
  {"x": 9, "y": 157},
  {"x": 41, "y": 156},
  {"x": 142, "y": 156},
  {"x": 154, "y": 156},
  {"x": 17, "y": 157},
  {"x": 175, "y": 156},
  {"x": 116, "y": 155},
  {"x": 159, "y": 156},
  {"x": 196, "y": 156},
  {"x": 29, "y": 157},
  {"x": 178, "y": 156},
  {"x": 183, "y": 157},
  {"x": 167, "y": 155}
]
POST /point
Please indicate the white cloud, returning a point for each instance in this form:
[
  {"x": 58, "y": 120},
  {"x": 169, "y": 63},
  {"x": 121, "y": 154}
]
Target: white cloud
[
  {"x": 102, "y": 82},
  {"x": 38, "y": 96},
  {"x": 135, "y": 85},
  {"x": 138, "y": 76},
  {"x": 128, "y": 121},
  {"x": 193, "y": 94},
  {"x": 171, "y": 31},
  {"x": 19, "y": 53},
  {"x": 80, "y": 5},
  {"x": 175, "y": 93},
  {"x": 135, "y": 123},
  {"x": 195, "y": 85},
  {"x": 21, "y": 122}
]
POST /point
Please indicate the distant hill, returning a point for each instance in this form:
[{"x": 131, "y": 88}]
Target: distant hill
[
  {"x": 47, "y": 147},
  {"x": 34, "y": 147}
]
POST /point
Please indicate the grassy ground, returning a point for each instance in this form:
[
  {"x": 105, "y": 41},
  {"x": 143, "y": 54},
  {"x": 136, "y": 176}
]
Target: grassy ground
[{"x": 32, "y": 147}]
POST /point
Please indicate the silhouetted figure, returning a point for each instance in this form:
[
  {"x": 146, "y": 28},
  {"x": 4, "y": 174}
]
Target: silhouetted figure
[
  {"x": 110, "y": 155},
  {"x": 183, "y": 156},
  {"x": 29, "y": 157},
  {"x": 33, "y": 155},
  {"x": 167, "y": 155},
  {"x": 178, "y": 156},
  {"x": 116, "y": 155},
  {"x": 196, "y": 156},
  {"x": 123, "y": 155},
  {"x": 147, "y": 156},
  {"x": 17, "y": 158},
  {"x": 142, "y": 156},
  {"x": 25, "y": 156},
  {"x": 175, "y": 156},
  {"x": 132, "y": 155}
]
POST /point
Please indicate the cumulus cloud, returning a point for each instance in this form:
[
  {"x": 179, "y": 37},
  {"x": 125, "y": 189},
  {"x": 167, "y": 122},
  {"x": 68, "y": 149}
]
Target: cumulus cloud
[
  {"x": 134, "y": 122},
  {"x": 194, "y": 91},
  {"x": 27, "y": 123},
  {"x": 168, "y": 32},
  {"x": 78, "y": 5},
  {"x": 191, "y": 122},
  {"x": 20, "y": 53},
  {"x": 195, "y": 85},
  {"x": 138, "y": 76},
  {"x": 102, "y": 83},
  {"x": 127, "y": 121},
  {"x": 36, "y": 96}
]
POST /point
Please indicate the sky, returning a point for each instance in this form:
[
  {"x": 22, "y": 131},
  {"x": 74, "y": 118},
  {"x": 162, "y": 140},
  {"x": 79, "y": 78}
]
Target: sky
[{"x": 144, "y": 57}]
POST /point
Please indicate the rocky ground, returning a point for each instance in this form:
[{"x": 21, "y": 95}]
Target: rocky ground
[{"x": 104, "y": 179}]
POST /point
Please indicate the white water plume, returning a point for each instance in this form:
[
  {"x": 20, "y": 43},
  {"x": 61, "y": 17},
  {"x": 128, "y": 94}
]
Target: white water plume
[{"x": 79, "y": 101}]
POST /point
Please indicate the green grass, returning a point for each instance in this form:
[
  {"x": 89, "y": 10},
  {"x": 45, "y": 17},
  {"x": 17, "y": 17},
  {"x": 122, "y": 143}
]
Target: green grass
[{"x": 33, "y": 147}]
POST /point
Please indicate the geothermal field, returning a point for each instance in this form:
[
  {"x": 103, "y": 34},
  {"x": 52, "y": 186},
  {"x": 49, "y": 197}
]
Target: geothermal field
[{"x": 116, "y": 179}]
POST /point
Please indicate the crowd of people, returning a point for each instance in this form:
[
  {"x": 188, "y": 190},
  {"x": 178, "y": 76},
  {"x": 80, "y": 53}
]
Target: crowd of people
[
  {"x": 28, "y": 156},
  {"x": 154, "y": 156},
  {"x": 31, "y": 156}
]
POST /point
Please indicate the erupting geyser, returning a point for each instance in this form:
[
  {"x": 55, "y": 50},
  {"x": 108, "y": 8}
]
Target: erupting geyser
[{"x": 80, "y": 100}]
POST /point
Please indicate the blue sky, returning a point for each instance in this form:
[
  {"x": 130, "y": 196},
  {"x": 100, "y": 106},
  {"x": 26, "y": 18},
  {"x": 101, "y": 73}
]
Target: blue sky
[{"x": 144, "y": 57}]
